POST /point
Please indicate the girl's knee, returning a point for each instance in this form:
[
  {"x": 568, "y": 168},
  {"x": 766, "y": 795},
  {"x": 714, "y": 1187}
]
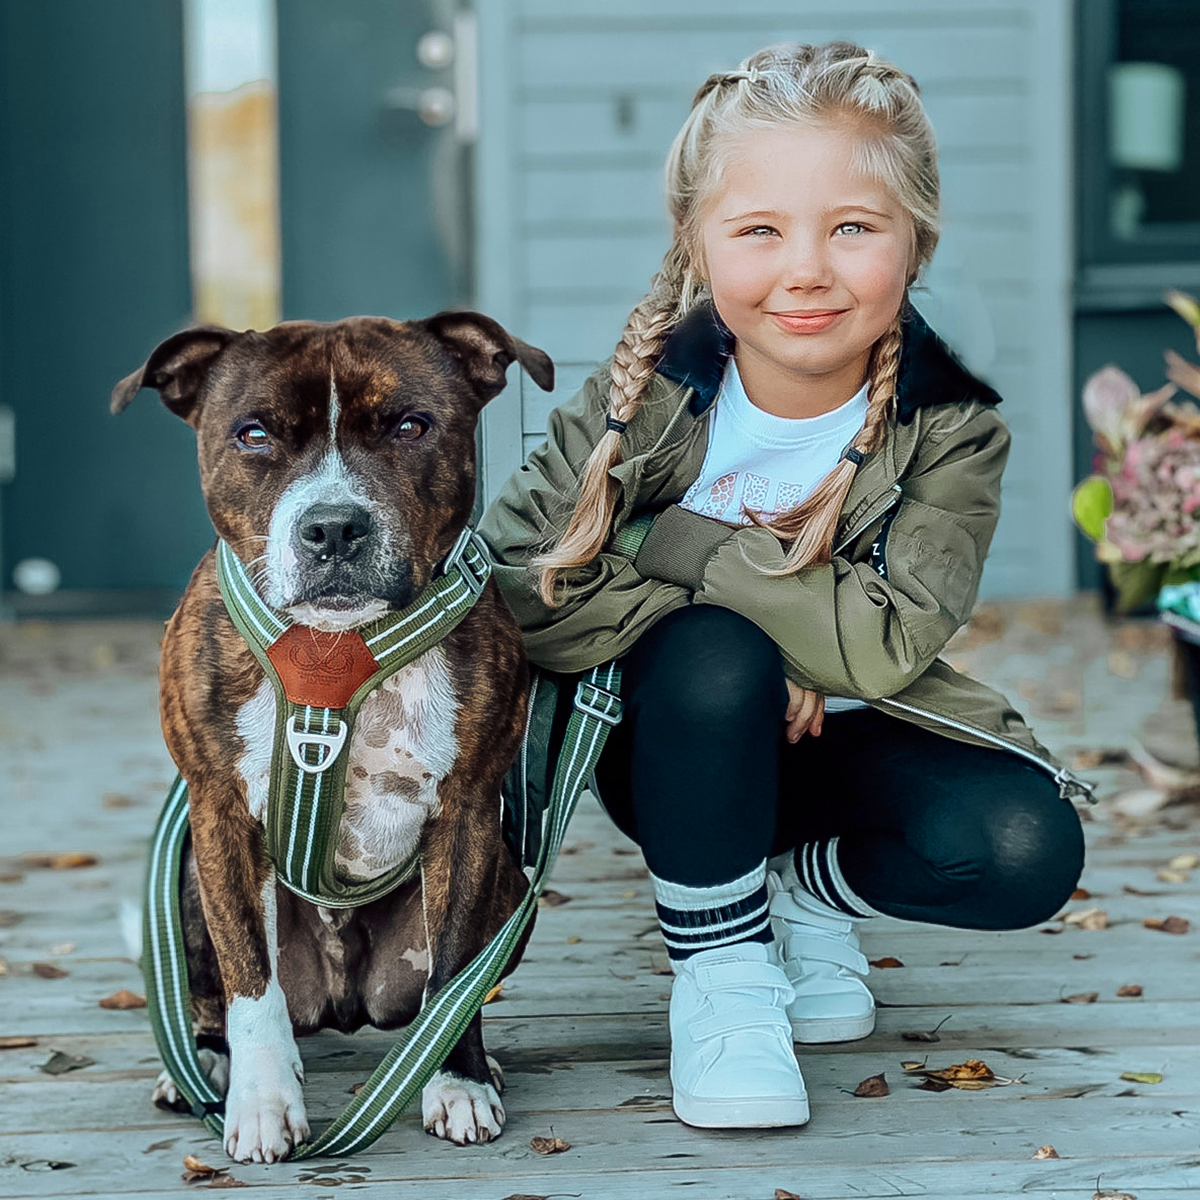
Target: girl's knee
[
  {"x": 709, "y": 663},
  {"x": 1038, "y": 854}
]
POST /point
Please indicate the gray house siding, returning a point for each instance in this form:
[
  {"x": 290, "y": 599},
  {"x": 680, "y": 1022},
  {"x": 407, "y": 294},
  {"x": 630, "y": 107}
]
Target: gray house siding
[{"x": 580, "y": 99}]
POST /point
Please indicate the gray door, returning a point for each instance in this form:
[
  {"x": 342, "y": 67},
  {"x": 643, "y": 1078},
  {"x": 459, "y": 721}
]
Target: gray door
[
  {"x": 372, "y": 158},
  {"x": 93, "y": 272}
]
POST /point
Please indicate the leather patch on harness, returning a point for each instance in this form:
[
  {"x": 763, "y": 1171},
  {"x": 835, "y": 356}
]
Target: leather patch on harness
[{"x": 321, "y": 669}]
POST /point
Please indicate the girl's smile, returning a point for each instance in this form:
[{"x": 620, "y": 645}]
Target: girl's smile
[{"x": 807, "y": 258}]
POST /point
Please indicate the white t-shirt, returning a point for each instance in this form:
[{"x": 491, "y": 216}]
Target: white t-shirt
[{"x": 759, "y": 461}]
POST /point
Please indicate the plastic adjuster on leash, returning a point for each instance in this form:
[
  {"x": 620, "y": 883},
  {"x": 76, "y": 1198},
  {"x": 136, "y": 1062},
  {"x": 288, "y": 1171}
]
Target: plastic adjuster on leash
[{"x": 596, "y": 702}]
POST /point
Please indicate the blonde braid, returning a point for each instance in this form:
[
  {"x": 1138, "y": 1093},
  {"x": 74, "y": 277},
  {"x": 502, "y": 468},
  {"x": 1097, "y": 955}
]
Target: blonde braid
[
  {"x": 634, "y": 361},
  {"x": 812, "y": 524}
]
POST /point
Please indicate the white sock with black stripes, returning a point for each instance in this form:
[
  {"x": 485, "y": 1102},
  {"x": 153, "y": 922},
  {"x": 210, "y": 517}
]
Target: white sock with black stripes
[
  {"x": 704, "y": 918},
  {"x": 813, "y": 869}
]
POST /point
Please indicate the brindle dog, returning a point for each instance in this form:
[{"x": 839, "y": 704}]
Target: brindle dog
[{"x": 338, "y": 462}]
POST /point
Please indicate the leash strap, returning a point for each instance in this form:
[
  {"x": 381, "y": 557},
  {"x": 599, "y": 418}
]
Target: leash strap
[
  {"x": 320, "y": 682},
  {"x": 444, "y": 1016}
]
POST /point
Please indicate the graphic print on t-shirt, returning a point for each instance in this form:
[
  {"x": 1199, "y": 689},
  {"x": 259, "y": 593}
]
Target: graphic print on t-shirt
[{"x": 723, "y": 502}]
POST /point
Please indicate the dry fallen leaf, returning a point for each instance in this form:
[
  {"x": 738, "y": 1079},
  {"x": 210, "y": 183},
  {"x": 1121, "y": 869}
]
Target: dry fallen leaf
[
  {"x": 227, "y": 1181},
  {"x": 494, "y": 994},
  {"x": 1081, "y": 998},
  {"x": 873, "y": 1085},
  {"x": 48, "y": 971},
  {"x": 1184, "y": 862},
  {"x": 1129, "y": 989},
  {"x": 62, "y": 948},
  {"x": 1081, "y": 893},
  {"x": 549, "y": 1145},
  {"x": 194, "y": 1169},
  {"x": 926, "y": 1035},
  {"x": 1142, "y": 1076},
  {"x": 123, "y": 999},
  {"x": 1168, "y": 924},
  {"x": 1046, "y": 1152},
  {"x": 524, "y": 1196},
  {"x": 59, "y": 1063},
  {"x": 574, "y": 941},
  {"x": 782, "y": 1194},
  {"x": 552, "y": 899},
  {"x": 970, "y": 1076},
  {"x": 1107, "y": 1195},
  {"x": 16, "y": 1043},
  {"x": 69, "y": 861},
  {"x": 886, "y": 962},
  {"x": 1167, "y": 875},
  {"x": 1087, "y": 918}
]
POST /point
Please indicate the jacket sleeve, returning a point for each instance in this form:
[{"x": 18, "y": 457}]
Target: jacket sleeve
[
  {"x": 606, "y": 605},
  {"x": 843, "y": 628}
]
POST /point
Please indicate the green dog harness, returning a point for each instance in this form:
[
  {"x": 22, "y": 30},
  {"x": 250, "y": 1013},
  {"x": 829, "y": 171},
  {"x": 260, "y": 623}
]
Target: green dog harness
[{"x": 305, "y": 804}]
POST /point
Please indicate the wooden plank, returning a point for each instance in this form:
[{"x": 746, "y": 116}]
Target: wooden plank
[
  {"x": 95, "y": 1100},
  {"x": 558, "y": 13},
  {"x": 571, "y": 200},
  {"x": 1093, "y": 1129},
  {"x": 634, "y": 122},
  {"x": 683, "y": 56}
]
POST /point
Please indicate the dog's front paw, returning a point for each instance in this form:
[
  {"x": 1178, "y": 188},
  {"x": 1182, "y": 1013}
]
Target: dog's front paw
[
  {"x": 264, "y": 1111},
  {"x": 460, "y": 1109}
]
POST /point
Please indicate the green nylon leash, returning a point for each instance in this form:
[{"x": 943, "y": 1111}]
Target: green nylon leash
[{"x": 435, "y": 1030}]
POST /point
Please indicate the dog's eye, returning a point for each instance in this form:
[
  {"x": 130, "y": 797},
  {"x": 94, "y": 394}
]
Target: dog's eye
[
  {"x": 410, "y": 428},
  {"x": 253, "y": 437}
]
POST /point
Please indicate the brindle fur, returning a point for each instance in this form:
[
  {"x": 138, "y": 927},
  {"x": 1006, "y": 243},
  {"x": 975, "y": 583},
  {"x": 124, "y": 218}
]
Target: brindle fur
[{"x": 343, "y": 969}]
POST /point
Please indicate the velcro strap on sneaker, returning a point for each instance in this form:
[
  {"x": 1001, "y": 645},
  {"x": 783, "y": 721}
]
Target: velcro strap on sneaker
[
  {"x": 823, "y": 949},
  {"x": 735, "y": 976},
  {"x": 785, "y": 906},
  {"x": 753, "y": 1016}
]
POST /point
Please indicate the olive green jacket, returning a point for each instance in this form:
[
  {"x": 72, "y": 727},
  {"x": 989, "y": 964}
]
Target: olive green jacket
[{"x": 908, "y": 553}]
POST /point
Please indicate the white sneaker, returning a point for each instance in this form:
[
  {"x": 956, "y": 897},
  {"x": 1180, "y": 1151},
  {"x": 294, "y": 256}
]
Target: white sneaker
[
  {"x": 820, "y": 953},
  {"x": 732, "y": 1062}
]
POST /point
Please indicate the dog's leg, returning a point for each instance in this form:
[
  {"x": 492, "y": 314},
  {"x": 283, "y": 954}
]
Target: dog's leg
[
  {"x": 462, "y": 860},
  {"x": 264, "y": 1106}
]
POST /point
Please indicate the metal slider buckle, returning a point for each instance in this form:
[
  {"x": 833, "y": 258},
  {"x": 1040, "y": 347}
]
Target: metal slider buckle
[
  {"x": 475, "y": 579},
  {"x": 584, "y": 702},
  {"x": 297, "y": 739}
]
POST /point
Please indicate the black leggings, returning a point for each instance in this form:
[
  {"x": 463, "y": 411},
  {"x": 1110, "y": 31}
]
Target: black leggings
[{"x": 700, "y": 775}]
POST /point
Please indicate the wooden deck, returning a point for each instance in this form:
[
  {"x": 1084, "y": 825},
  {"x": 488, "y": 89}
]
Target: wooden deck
[{"x": 581, "y": 1027}]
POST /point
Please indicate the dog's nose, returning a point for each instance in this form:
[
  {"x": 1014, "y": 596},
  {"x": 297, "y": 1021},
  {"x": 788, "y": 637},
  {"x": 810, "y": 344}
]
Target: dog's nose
[{"x": 329, "y": 531}]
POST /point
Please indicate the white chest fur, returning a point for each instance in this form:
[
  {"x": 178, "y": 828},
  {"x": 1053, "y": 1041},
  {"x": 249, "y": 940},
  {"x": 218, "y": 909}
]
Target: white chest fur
[{"x": 402, "y": 747}]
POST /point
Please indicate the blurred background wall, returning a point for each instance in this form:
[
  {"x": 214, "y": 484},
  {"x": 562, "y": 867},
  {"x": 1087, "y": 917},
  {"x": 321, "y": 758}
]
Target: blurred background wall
[{"x": 170, "y": 161}]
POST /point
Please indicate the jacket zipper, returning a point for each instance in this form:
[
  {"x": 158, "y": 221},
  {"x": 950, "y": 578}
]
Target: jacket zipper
[
  {"x": 1069, "y": 785},
  {"x": 878, "y": 511}
]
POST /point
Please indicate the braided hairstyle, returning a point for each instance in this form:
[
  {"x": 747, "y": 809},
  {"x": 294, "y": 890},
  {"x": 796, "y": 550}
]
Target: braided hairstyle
[{"x": 881, "y": 108}]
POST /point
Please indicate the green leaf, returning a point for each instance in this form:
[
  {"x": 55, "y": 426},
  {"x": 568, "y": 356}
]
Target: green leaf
[
  {"x": 1142, "y": 1076},
  {"x": 1092, "y": 505},
  {"x": 1136, "y": 582}
]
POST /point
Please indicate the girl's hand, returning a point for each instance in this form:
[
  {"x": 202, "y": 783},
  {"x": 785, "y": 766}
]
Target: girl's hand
[{"x": 805, "y": 712}]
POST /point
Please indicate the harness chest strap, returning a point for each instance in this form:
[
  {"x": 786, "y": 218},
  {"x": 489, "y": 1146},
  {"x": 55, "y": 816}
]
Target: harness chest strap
[
  {"x": 320, "y": 681},
  {"x": 444, "y": 1016}
]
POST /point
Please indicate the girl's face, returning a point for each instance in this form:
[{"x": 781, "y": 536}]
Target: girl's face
[{"x": 807, "y": 259}]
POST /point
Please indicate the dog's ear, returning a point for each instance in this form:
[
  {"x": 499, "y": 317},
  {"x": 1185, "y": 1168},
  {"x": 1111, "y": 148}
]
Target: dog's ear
[
  {"x": 177, "y": 369},
  {"x": 485, "y": 348}
]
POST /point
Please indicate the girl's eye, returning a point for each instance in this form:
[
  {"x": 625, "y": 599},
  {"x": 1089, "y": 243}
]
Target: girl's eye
[
  {"x": 760, "y": 231},
  {"x": 408, "y": 429},
  {"x": 253, "y": 437},
  {"x": 851, "y": 227}
]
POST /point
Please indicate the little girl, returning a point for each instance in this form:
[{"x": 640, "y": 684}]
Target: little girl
[{"x": 774, "y": 504}]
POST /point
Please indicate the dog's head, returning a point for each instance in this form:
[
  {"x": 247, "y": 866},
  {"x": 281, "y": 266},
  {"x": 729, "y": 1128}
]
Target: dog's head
[{"x": 337, "y": 460}]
